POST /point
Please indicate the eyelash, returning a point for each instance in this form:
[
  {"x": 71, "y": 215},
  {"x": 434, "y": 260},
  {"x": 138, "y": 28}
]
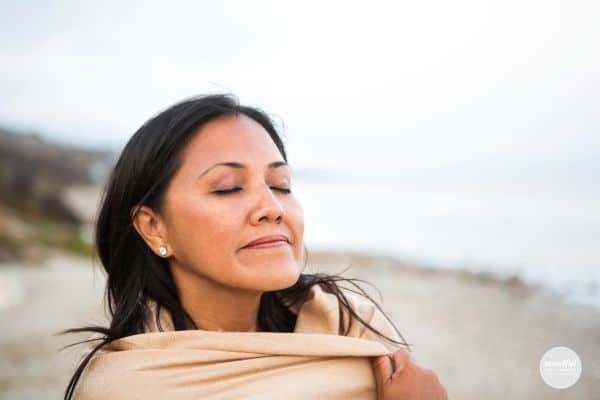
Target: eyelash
[{"x": 237, "y": 189}]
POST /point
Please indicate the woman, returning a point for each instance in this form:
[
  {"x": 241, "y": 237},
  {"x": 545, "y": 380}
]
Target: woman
[{"x": 199, "y": 231}]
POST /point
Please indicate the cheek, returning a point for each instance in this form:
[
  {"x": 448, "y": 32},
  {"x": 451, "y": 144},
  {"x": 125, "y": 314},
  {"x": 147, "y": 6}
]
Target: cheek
[
  {"x": 203, "y": 234},
  {"x": 296, "y": 222}
]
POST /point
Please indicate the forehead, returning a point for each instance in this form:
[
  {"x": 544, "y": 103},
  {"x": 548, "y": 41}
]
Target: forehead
[{"x": 231, "y": 138}]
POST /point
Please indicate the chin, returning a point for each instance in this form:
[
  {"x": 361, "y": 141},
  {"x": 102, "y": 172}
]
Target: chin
[{"x": 276, "y": 277}]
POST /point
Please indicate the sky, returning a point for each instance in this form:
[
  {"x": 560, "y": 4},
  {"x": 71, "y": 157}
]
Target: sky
[{"x": 381, "y": 85}]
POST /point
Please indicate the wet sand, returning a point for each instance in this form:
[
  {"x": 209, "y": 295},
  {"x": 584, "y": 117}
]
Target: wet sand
[{"x": 484, "y": 338}]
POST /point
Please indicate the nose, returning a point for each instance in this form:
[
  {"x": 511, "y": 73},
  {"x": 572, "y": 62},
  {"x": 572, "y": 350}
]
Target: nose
[{"x": 267, "y": 207}]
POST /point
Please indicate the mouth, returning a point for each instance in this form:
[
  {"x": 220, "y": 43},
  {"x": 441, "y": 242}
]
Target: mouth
[
  {"x": 267, "y": 245},
  {"x": 267, "y": 241}
]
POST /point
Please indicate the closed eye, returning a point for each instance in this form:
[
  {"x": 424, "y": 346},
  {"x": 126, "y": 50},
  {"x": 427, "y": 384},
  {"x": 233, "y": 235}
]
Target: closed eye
[{"x": 237, "y": 189}]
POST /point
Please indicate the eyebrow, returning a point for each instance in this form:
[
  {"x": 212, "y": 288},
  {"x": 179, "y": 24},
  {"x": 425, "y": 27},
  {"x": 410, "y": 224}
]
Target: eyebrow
[{"x": 233, "y": 164}]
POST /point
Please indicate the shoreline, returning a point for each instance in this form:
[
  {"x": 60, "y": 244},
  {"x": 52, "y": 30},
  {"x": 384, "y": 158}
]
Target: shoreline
[{"x": 512, "y": 282}]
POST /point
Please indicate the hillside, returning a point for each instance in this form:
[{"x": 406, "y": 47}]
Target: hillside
[{"x": 35, "y": 177}]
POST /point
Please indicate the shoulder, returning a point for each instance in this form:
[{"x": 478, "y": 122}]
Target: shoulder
[
  {"x": 321, "y": 311},
  {"x": 368, "y": 311}
]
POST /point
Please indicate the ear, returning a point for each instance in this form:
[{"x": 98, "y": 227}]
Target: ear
[{"x": 151, "y": 227}]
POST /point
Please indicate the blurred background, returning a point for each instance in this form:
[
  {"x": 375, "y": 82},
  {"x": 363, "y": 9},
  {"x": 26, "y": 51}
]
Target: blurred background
[{"x": 448, "y": 152}]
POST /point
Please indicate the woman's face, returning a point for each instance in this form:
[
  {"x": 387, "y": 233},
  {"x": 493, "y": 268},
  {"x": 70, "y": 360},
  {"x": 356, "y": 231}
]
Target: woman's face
[{"x": 206, "y": 231}]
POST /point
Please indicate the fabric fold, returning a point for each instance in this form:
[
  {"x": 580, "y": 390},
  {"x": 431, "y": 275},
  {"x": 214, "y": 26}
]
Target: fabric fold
[{"x": 313, "y": 362}]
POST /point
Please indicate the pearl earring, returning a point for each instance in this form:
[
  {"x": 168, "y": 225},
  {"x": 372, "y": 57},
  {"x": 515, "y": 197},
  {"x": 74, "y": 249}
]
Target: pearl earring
[{"x": 163, "y": 251}]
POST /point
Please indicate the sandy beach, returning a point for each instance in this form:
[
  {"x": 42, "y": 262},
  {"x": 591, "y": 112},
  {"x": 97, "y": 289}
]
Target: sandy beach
[{"x": 483, "y": 337}]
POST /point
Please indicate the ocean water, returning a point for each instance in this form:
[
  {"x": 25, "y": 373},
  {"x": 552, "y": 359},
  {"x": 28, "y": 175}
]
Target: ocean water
[{"x": 548, "y": 234}]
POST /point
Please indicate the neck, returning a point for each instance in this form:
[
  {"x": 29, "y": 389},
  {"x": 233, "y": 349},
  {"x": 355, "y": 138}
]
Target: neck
[{"x": 214, "y": 307}]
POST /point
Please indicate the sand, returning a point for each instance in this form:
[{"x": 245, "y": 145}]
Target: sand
[{"x": 484, "y": 338}]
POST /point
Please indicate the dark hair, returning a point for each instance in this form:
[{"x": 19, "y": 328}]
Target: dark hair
[{"x": 135, "y": 273}]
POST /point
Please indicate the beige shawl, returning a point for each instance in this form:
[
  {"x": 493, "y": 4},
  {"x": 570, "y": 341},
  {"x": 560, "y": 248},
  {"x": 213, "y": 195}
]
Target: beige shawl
[{"x": 314, "y": 362}]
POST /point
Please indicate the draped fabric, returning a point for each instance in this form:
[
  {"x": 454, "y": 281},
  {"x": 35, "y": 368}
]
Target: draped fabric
[{"x": 313, "y": 362}]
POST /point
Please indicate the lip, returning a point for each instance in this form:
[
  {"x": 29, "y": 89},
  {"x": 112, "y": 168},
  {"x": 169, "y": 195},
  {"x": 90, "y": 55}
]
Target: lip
[
  {"x": 267, "y": 241},
  {"x": 278, "y": 243}
]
